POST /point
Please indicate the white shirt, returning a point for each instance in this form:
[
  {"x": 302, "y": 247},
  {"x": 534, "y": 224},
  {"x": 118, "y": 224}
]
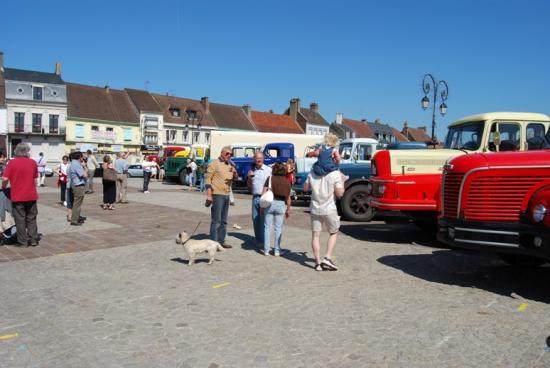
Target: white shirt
[
  {"x": 259, "y": 179},
  {"x": 41, "y": 162},
  {"x": 193, "y": 166},
  {"x": 322, "y": 192}
]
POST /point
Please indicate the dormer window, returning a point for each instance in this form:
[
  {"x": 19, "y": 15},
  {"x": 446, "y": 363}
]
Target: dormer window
[
  {"x": 37, "y": 93},
  {"x": 175, "y": 112}
]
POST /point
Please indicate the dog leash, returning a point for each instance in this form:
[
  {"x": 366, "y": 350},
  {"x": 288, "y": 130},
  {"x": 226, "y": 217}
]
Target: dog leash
[{"x": 196, "y": 227}]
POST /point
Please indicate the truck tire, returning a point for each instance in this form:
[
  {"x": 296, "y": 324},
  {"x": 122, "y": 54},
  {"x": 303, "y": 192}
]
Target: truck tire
[
  {"x": 181, "y": 177},
  {"x": 522, "y": 261},
  {"x": 354, "y": 204}
]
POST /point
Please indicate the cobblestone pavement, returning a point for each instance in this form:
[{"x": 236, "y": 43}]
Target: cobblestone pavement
[{"x": 117, "y": 292}]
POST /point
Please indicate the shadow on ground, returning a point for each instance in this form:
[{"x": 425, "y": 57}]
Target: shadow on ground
[
  {"x": 478, "y": 270},
  {"x": 249, "y": 243},
  {"x": 395, "y": 231}
]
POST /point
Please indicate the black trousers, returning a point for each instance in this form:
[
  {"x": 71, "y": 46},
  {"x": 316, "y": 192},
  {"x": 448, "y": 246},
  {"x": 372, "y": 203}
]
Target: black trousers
[{"x": 24, "y": 214}]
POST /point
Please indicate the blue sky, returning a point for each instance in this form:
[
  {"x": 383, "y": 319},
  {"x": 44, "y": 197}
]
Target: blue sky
[{"x": 365, "y": 59}]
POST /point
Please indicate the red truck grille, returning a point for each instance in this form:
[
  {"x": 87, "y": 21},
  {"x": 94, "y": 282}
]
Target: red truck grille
[
  {"x": 451, "y": 188},
  {"x": 497, "y": 198}
]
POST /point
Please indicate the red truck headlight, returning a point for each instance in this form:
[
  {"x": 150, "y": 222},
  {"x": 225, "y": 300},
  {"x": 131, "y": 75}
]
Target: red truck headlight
[{"x": 539, "y": 212}]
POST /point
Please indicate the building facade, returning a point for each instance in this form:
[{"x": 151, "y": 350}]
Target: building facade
[
  {"x": 36, "y": 109},
  {"x": 102, "y": 120}
]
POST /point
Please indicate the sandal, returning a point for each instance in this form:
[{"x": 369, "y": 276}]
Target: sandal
[{"x": 111, "y": 207}]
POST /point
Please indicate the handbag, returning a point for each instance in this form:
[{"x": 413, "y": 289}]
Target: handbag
[
  {"x": 109, "y": 174},
  {"x": 267, "y": 198}
]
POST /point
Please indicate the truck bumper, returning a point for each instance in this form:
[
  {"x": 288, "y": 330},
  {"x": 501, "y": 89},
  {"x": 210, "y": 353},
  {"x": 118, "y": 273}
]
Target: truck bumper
[{"x": 515, "y": 238}]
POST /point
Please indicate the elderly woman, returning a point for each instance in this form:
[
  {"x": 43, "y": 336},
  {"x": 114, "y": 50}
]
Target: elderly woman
[
  {"x": 280, "y": 207},
  {"x": 109, "y": 183}
]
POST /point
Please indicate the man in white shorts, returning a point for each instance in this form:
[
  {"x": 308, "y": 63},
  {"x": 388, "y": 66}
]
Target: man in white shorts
[{"x": 324, "y": 189}]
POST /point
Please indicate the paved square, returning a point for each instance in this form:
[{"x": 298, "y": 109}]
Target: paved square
[{"x": 117, "y": 292}]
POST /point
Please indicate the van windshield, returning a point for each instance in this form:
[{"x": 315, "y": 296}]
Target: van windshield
[
  {"x": 345, "y": 150},
  {"x": 465, "y": 137}
]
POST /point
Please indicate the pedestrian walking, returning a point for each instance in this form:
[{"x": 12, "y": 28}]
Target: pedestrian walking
[
  {"x": 41, "y": 162},
  {"x": 219, "y": 177},
  {"x": 147, "y": 171},
  {"x": 257, "y": 177},
  {"x": 21, "y": 173},
  {"x": 92, "y": 165},
  {"x": 201, "y": 173},
  {"x": 279, "y": 209},
  {"x": 121, "y": 167},
  {"x": 109, "y": 183},
  {"x": 191, "y": 170},
  {"x": 77, "y": 177},
  {"x": 154, "y": 170},
  {"x": 62, "y": 179},
  {"x": 323, "y": 212}
]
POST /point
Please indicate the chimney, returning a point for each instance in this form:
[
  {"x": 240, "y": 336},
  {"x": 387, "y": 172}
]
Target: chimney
[
  {"x": 248, "y": 111},
  {"x": 270, "y": 111},
  {"x": 294, "y": 108},
  {"x": 58, "y": 69},
  {"x": 339, "y": 117},
  {"x": 405, "y": 124},
  {"x": 363, "y": 120},
  {"x": 314, "y": 106},
  {"x": 377, "y": 121},
  {"x": 1, "y": 62},
  {"x": 205, "y": 104},
  {"x": 107, "y": 88}
]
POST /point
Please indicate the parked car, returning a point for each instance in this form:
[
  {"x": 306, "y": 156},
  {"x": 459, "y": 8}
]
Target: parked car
[
  {"x": 49, "y": 172},
  {"x": 135, "y": 171}
]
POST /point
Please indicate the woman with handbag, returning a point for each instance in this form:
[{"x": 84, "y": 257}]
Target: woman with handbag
[
  {"x": 279, "y": 208},
  {"x": 109, "y": 183},
  {"x": 61, "y": 171}
]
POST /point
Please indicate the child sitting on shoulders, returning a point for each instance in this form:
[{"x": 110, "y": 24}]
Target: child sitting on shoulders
[{"x": 328, "y": 157}]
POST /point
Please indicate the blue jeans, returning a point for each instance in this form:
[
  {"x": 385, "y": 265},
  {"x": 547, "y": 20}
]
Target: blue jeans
[
  {"x": 274, "y": 215},
  {"x": 258, "y": 220},
  {"x": 219, "y": 211},
  {"x": 191, "y": 179},
  {"x": 202, "y": 184}
]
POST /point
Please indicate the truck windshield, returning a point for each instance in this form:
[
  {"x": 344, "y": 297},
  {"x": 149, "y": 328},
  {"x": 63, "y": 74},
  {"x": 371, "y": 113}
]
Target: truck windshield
[
  {"x": 465, "y": 137},
  {"x": 345, "y": 150}
]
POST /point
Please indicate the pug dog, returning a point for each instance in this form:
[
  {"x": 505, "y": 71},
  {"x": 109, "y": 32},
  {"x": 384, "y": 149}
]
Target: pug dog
[{"x": 193, "y": 247}]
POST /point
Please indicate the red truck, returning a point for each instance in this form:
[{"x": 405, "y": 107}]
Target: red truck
[
  {"x": 410, "y": 181},
  {"x": 498, "y": 202}
]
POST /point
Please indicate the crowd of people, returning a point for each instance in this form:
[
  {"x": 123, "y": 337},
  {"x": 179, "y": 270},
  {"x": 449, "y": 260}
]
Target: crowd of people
[{"x": 75, "y": 180}]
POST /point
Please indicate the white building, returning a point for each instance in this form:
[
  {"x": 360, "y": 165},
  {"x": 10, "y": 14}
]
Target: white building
[{"x": 36, "y": 111}]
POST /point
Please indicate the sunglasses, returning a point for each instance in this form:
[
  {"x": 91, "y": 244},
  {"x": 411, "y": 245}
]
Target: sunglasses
[{"x": 227, "y": 153}]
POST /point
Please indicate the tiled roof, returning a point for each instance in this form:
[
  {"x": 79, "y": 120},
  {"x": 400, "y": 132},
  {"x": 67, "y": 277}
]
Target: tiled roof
[
  {"x": 144, "y": 101},
  {"x": 98, "y": 103},
  {"x": 31, "y": 76},
  {"x": 342, "y": 131},
  {"x": 361, "y": 128},
  {"x": 275, "y": 123},
  {"x": 416, "y": 135},
  {"x": 399, "y": 136},
  {"x": 183, "y": 104},
  {"x": 313, "y": 117},
  {"x": 230, "y": 117},
  {"x": 380, "y": 128}
]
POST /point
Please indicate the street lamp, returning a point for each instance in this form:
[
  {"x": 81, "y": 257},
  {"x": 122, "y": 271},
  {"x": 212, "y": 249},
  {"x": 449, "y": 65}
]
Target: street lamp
[
  {"x": 193, "y": 118},
  {"x": 429, "y": 83}
]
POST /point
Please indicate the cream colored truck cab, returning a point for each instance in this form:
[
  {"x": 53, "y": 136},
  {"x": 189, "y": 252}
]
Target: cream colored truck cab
[{"x": 409, "y": 181}]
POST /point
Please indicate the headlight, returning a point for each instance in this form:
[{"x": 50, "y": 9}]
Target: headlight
[
  {"x": 539, "y": 211},
  {"x": 381, "y": 189},
  {"x": 369, "y": 188},
  {"x": 298, "y": 180}
]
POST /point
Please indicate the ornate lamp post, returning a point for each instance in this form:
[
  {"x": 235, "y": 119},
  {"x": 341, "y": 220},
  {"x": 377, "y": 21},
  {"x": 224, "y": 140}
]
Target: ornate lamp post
[
  {"x": 193, "y": 118},
  {"x": 438, "y": 87}
]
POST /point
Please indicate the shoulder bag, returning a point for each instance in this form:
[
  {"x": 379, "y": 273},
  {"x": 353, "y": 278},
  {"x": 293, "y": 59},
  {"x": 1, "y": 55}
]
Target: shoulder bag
[
  {"x": 267, "y": 198},
  {"x": 109, "y": 174}
]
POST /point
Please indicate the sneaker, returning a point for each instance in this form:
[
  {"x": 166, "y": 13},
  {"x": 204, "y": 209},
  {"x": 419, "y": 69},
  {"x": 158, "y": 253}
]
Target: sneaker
[
  {"x": 277, "y": 253},
  {"x": 318, "y": 267},
  {"x": 146, "y": 192},
  {"x": 231, "y": 203},
  {"x": 266, "y": 252},
  {"x": 65, "y": 203},
  {"x": 329, "y": 264}
]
